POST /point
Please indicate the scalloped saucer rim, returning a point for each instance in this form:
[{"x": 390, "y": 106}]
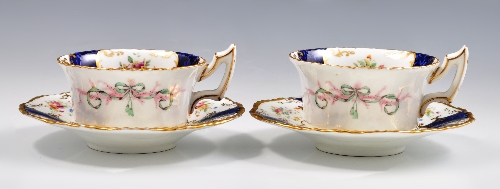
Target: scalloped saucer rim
[
  {"x": 132, "y": 141},
  {"x": 64, "y": 111},
  {"x": 288, "y": 122},
  {"x": 352, "y": 143}
]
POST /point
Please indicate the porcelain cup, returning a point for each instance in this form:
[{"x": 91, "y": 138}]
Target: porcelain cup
[
  {"x": 128, "y": 88},
  {"x": 371, "y": 89}
]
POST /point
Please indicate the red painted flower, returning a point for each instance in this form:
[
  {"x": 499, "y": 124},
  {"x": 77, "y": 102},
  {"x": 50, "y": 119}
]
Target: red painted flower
[
  {"x": 369, "y": 56},
  {"x": 139, "y": 64},
  {"x": 56, "y": 106}
]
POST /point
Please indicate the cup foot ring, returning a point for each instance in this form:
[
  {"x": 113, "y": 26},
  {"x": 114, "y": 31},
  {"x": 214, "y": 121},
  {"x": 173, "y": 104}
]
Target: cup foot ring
[
  {"x": 131, "y": 150},
  {"x": 360, "y": 152}
]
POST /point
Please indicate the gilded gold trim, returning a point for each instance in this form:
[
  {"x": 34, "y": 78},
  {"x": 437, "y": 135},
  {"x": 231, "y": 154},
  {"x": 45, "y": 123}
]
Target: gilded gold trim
[
  {"x": 110, "y": 54},
  {"x": 168, "y": 54},
  {"x": 446, "y": 65},
  {"x": 98, "y": 62},
  {"x": 432, "y": 100},
  {"x": 413, "y": 60},
  {"x": 217, "y": 62},
  {"x": 203, "y": 74},
  {"x": 302, "y": 128},
  {"x": 401, "y": 56},
  {"x": 202, "y": 97},
  {"x": 62, "y": 60},
  {"x": 436, "y": 62},
  {"x": 341, "y": 53},
  {"x": 434, "y": 76},
  {"x": 76, "y": 125},
  {"x": 224, "y": 88}
]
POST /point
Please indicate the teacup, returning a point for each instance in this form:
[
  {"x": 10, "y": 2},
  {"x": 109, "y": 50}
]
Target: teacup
[
  {"x": 141, "y": 88},
  {"x": 371, "y": 89}
]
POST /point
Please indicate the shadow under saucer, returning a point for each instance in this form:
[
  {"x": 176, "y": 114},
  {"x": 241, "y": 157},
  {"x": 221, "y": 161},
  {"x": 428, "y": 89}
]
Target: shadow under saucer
[
  {"x": 298, "y": 148},
  {"x": 241, "y": 146},
  {"x": 66, "y": 146}
]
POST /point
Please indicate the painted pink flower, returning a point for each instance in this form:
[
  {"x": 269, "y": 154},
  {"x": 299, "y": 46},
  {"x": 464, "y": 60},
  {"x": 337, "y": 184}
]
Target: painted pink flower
[
  {"x": 139, "y": 65},
  {"x": 56, "y": 106},
  {"x": 200, "y": 104}
]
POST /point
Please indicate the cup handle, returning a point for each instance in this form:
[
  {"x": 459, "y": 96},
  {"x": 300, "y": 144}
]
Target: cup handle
[
  {"x": 458, "y": 59},
  {"x": 227, "y": 57}
]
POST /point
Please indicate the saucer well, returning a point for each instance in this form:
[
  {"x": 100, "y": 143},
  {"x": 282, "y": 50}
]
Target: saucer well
[
  {"x": 57, "y": 110},
  {"x": 287, "y": 113}
]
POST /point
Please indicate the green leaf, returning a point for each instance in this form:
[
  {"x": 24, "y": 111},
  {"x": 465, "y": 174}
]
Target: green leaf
[
  {"x": 373, "y": 65},
  {"x": 354, "y": 113},
  {"x": 121, "y": 65},
  {"x": 148, "y": 61},
  {"x": 130, "y": 59},
  {"x": 129, "y": 110},
  {"x": 362, "y": 63},
  {"x": 355, "y": 64}
]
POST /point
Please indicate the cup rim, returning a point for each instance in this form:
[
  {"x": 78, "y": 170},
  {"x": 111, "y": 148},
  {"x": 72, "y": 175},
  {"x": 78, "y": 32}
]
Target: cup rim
[
  {"x": 64, "y": 60},
  {"x": 293, "y": 56}
]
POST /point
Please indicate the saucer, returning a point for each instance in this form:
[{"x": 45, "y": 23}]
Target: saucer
[
  {"x": 57, "y": 110},
  {"x": 287, "y": 113}
]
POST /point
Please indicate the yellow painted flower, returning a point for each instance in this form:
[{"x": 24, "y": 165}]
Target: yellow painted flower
[
  {"x": 428, "y": 112},
  {"x": 296, "y": 118}
]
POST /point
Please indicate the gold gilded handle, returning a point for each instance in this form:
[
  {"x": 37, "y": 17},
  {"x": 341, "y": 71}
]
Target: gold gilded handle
[
  {"x": 458, "y": 59},
  {"x": 227, "y": 57}
]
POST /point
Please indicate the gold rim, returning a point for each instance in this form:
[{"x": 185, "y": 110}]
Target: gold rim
[
  {"x": 76, "y": 125},
  {"x": 63, "y": 60},
  {"x": 302, "y": 128},
  {"x": 436, "y": 61}
]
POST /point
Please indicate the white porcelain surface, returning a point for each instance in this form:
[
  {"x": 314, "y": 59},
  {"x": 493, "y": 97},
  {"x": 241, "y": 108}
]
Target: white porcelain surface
[
  {"x": 123, "y": 96},
  {"x": 288, "y": 113},
  {"x": 57, "y": 110},
  {"x": 371, "y": 89},
  {"x": 136, "y": 58}
]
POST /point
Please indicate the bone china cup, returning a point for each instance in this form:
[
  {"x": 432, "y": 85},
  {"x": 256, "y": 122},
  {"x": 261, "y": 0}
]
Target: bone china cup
[
  {"x": 140, "y": 88},
  {"x": 371, "y": 89}
]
